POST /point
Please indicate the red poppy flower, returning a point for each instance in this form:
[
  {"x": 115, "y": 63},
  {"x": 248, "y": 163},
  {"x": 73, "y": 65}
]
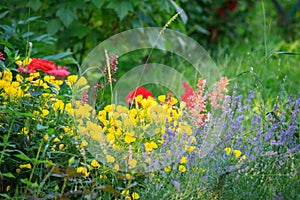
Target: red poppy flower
[
  {"x": 134, "y": 93},
  {"x": 40, "y": 64}
]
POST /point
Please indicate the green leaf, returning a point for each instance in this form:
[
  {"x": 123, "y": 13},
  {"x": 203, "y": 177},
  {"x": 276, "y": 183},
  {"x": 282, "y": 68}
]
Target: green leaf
[
  {"x": 26, "y": 181},
  {"x": 22, "y": 157},
  {"x": 40, "y": 127},
  {"x": 3, "y": 14},
  {"x": 5, "y": 195},
  {"x": 27, "y": 114},
  {"x": 98, "y": 3},
  {"x": 35, "y": 93},
  {"x": 66, "y": 16},
  {"x": 9, "y": 45},
  {"x": 27, "y": 34},
  {"x": 53, "y": 26},
  {"x": 8, "y": 175},
  {"x": 2, "y": 65},
  {"x": 58, "y": 56},
  {"x": 7, "y": 51},
  {"x": 50, "y": 131},
  {"x": 34, "y": 4},
  {"x": 121, "y": 7}
]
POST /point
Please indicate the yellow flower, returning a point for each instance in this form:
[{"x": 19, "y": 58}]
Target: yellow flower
[
  {"x": 150, "y": 145},
  {"x": 18, "y": 170},
  {"x": 128, "y": 176},
  {"x": 183, "y": 160},
  {"x": 28, "y": 166},
  {"x": 173, "y": 101},
  {"x": 132, "y": 163},
  {"x": 69, "y": 108},
  {"x": 161, "y": 98},
  {"x": 83, "y": 143},
  {"x": 81, "y": 82},
  {"x": 109, "y": 108},
  {"x": 182, "y": 168},
  {"x": 56, "y": 139},
  {"x": 227, "y": 150},
  {"x": 244, "y": 157},
  {"x": 71, "y": 80},
  {"x": 135, "y": 195},
  {"x": 45, "y": 112},
  {"x": 7, "y": 76},
  {"x": 95, "y": 163},
  {"x": 58, "y": 105},
  {"x": 61, "y": 146},
  {"x": 46, "y": 137},
  {"x": 110, "y": 159},
  {"x": 116, "y": 167},
  {"x": 125, "y": 192},
  {"x": 237, "y": 153},
  {"x": 128, "y": 138},
  {"x": 167, "y": 168},
  {"x": 24, "y": 131},
  {"x": 82, "y": 170},
  {"x": 26, "y": 61}
]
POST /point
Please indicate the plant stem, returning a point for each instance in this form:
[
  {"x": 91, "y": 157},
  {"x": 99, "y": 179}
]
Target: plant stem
[{"x": 5, "y": 139}]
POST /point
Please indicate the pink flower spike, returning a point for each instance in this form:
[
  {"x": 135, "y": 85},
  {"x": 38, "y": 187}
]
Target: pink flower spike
[{"x": 60, "y": 71}]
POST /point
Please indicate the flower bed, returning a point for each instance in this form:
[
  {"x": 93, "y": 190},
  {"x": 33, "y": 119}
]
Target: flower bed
[{"x": 56, "y": 145}]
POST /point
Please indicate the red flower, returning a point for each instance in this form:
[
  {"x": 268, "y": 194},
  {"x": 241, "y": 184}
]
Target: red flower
[
  {"x": 40, "y": 64},
  {"x": 231, "y": 5},
  {"x": 134, "y": 93},
  {"x": 189, "y": 92}
]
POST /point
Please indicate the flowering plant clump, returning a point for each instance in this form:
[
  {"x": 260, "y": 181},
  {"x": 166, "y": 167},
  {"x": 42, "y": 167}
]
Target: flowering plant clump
[{"x": 56, "y": 145}]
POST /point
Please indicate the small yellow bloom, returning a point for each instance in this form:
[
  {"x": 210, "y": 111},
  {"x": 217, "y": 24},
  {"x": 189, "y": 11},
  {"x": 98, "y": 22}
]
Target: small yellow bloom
[
  {"x": 132, "y": 163},
  {"x": 227, "y": 150},
  {"x": 24, "y": 131},
  {"x": 82, "y": 170},
  {"x": 56, "y": 139},
  {"x": 71, "y": 80},
  {"x": 183, "y": 160},
  {"x": 26, "y": 61},
  {"x": 83, "y": 143},
  {"x": 61, "y": 146},
  {"x": 46, "y": 137},
  {"x": 110, "y": 159},
  {"x": 58, "y": 105},
  {"x": 135, "y": 195},
  {"x": 244, "y": 157},
  {"x": 18, "y": 170},
  {"x": 128, "y": 176},
  {"x": 150, "y": 145},
  {"x": 128, "y": 138},
  {"x": 81, "y": 82},
  {"x": 182, "y": 168},
  {"x": 237, "y": 153},
  {"x": 167, "y": 168},
  {"x": 161, "y": 98},
  {"x": 95, "y": 163},
  {"x": 116, "y": 167},
  {"x": 45, "y": 112},
  {"x": 125, "y": 192},
  {"x": 28, "y": 166}
]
